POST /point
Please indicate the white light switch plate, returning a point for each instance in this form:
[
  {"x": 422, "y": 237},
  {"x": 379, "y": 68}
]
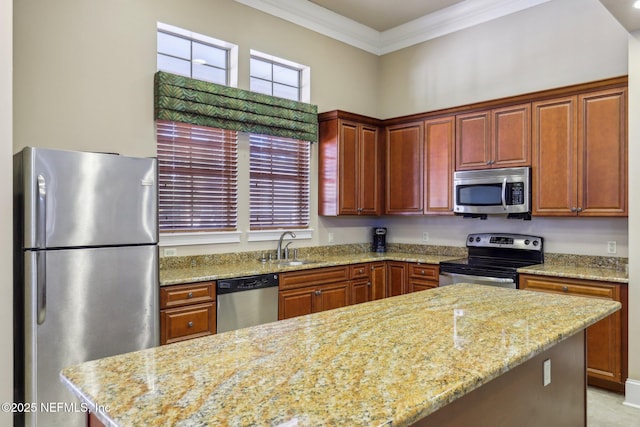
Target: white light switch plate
[{"x": 546, "y": 368}]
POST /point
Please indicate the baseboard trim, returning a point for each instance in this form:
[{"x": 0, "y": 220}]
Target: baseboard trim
[{"x": 632, "y": 393}]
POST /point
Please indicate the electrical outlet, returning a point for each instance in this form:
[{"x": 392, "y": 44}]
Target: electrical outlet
[
  {"x": 425, "y": 236},
  {"x": 611, "y": 247},
  {"x": 170, "y": 252},
  {"x": 546, "y": 372},
  {"x": 331, "y": 237}
]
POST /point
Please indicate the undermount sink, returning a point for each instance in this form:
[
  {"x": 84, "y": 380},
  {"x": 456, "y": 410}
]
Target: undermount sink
[{"x": 289, "y": 262}]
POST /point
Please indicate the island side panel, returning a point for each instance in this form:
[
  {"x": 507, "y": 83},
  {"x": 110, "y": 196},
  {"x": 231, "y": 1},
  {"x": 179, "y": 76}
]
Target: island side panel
[{"x": 519, "y": 397}]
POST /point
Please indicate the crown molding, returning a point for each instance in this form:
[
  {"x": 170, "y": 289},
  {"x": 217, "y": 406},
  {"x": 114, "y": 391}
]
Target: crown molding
[{"x": 451, "y": 19}]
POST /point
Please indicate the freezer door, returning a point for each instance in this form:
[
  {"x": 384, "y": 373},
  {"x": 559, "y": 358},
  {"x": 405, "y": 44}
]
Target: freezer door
[
  {"x": 98, "y": 302},
  {"x": 87, "y": 199}
]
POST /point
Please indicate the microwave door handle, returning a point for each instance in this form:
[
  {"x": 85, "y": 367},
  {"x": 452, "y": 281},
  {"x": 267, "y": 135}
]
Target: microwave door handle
[{"x": 504, "y": 193}]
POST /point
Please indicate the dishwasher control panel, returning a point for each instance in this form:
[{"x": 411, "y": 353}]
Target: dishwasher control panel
[{"x": 240, "y": 284}]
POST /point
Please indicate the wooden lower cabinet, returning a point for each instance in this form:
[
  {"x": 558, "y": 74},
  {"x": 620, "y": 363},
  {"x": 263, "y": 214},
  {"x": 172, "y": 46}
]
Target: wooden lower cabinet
[
  {"x": 187, "y": 311},
  {"x": 313, "y": 299},
  {"x": 422, "y": 277},
  {"x": 396, "y": 278},
  {"x": 368, "y": 282},
  {"x": 607, "y": 339},
  {"x": 311, "y": 291}
]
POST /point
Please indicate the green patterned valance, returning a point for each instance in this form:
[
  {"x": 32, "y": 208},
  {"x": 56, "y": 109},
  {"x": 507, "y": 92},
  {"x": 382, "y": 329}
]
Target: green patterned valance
[{"x": 182, "y": 99}]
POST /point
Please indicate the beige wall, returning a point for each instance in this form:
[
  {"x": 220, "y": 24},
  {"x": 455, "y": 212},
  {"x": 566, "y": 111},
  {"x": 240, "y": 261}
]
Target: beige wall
[
  {"x": 6, "y": 151},
  {"x": 554, "y": 44},
  {"x": 633, "y": 386}
]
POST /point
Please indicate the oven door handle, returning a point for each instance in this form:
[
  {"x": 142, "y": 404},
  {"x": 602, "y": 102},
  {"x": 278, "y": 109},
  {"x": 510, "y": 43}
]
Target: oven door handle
[
  {"x": 483, "y": 278},
  {"x": 504, "y": 193}
]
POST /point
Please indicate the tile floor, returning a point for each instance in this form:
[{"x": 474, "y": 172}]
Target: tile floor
[{"x": 605, "y": 409}]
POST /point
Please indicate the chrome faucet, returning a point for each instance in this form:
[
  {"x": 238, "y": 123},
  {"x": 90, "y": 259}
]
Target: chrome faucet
[{"x": 279, "y": 249}]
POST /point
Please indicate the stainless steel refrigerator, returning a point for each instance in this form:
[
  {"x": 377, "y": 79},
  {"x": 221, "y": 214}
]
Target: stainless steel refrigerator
[{"x": 85, "y": 270}]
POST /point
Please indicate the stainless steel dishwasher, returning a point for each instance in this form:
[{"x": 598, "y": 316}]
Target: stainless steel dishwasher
[{"x": 246, "y": 301}]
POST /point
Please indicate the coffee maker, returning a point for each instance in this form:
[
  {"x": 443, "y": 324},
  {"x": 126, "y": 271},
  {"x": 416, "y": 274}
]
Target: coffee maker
[{"x": 379, "y": 239}]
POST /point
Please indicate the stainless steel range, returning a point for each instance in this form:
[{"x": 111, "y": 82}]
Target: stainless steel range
[{"x": 493, "y": 260}]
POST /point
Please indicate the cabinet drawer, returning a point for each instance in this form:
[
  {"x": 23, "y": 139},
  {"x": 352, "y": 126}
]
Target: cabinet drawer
[
  {"x": 188, "y": 322},
  {"x": 424, "y": 271},
  {"x": 571, "y": 287},
  {"x": 193, "y": 293},
  {"x": 314, "y": 277},
  {"x": 359, "y": 271}
]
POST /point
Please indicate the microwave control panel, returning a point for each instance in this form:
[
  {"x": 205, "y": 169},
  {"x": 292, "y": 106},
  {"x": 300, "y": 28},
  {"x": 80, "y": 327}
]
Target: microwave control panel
[{"x": 515, "y": 193}]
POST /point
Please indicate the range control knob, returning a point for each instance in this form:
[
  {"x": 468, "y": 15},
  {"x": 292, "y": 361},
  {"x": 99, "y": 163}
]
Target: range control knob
[
  {"x": 526, "y": 241},
  {"x": 470, "y": 239},
  {"x": 536, "y": 243},
  {"x": 478, "y": 239}
]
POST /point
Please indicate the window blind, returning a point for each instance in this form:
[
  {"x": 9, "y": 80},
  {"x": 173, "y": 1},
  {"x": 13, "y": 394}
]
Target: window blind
[
  {"x": 279, "y": 182},
  {"x": 198, "y": 177}
]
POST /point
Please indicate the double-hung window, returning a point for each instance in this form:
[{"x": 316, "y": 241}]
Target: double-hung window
[
  {"x": 197, "y": 165},
  {"x": 279, "y": 167}
]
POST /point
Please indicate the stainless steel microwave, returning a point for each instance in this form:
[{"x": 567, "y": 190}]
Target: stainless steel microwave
[{"x": 492, "y": 191}]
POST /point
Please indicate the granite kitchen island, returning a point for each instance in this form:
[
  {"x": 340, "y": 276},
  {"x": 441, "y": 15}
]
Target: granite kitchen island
[{"x": 398, "y": 361}]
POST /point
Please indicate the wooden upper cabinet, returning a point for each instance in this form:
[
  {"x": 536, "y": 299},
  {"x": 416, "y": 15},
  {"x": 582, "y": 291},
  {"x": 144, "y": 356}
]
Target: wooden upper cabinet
[
  {"x": 602, "y": 153},
  {"x": 473, "y": 135},
  {"x": 350, "y": 165},
  {"x": 579, "y": 164},
  {"x": 498, "y": 138},
  {"x": 404, "y": 169},
  {"x": 439, "y": 146},
  {"x": 554, "y": 162}
]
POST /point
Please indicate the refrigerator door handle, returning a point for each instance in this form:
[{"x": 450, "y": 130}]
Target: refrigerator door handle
[
  {"x": 41, "y": 214},
  {"x": 41, "y": 286}
]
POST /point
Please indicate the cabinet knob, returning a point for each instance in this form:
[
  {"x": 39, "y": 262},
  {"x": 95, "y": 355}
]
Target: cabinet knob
[
  {"x": 190, "y": 295},
  {"x": 574, "y": 209},
  {"x": 190, "y": 325},
  {"x": 368, "y": 283},
  {"x": 318, "y": 292},
  {"x": 422, "y": 272},
  {"x": 579, "y": 209},
  {"x": 361, "y": 271},
  {"x": 565, "y": 289}
]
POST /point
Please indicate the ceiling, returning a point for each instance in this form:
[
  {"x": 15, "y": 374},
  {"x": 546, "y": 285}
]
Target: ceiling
[
  {"x": 624, "y": 12},
  {"x": 384, "y": 26},
  {"x": 382, "y": 15}
]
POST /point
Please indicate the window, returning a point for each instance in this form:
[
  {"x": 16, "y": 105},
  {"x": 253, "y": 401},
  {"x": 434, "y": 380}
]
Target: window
[
  {"x": 195, "y": 55},
  {"x": 197, "y": 177},
  {"x": 278, "y": 77},
  {"x": 279, "y": 181}
]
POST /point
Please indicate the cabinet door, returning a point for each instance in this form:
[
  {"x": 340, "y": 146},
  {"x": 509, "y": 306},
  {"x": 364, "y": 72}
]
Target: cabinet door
[
  {"x": 473, "y": 141},
  {"x": 511, "y": 136},
  {"x": 297, "y": 302},
  {"x": 416, "y": 285},
  {"x": 332, "y": 296},
  {"x": 554, "y": 163},
  {"x": 360, "y": 291},
  {"x": 439, "y": 157},
  {"x": 369, "y": 187},
  {"x": 602, "y": 153},
  {"x": 404, "y": 180},
  {"x": 378, "y": 280},
  {"x": 348, "y": 172},
  {"x": 396, "y": 278}
]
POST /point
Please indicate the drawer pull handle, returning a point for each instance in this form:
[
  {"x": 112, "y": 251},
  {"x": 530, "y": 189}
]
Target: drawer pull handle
[
  {"x": 190, "y": 325},
  {"x": 190, "y": 295},
  {"x": 565, "y": 289}
]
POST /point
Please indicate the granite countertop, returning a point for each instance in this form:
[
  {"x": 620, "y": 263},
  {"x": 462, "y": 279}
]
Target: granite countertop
[
  {"x": 577, "y": 271},
  {"x": 203, "y": 273},
  {"x": 398, "y": 359}
]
